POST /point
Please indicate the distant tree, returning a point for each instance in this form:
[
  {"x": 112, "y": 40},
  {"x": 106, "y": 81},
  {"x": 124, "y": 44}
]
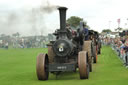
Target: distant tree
[
  {"x": 119, "y": 29},
  {"x": 74, "y": 21},
  {"x": 106, "y": 30}
]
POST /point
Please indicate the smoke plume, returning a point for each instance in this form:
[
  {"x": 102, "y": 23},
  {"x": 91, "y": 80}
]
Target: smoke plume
[
  {"x": 48, "y": 8},
  {"x": 27, "y": 21}
]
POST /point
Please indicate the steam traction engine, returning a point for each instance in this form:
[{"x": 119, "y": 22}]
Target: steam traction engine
[
  {"x": 65, "y": 54},
  {"x": 96, "y": 44}
]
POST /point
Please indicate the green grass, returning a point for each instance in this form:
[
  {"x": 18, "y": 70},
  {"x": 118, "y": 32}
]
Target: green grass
[{"x": 18, "y": 67}]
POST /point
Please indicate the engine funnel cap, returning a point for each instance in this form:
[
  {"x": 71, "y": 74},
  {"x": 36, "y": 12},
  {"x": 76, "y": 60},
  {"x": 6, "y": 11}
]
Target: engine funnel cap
[{"x": 60, "y": 8}]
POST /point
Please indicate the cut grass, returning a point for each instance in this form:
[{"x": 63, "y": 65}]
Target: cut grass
[{"x": 18, "y": 67}]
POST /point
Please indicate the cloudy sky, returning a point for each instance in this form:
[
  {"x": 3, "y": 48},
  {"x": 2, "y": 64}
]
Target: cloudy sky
[{"x": 99, "y": 14}]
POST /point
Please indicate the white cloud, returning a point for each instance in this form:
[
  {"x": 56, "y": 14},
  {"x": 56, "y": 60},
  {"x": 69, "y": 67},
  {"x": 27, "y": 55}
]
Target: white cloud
[{"x": 97, "y": 13}]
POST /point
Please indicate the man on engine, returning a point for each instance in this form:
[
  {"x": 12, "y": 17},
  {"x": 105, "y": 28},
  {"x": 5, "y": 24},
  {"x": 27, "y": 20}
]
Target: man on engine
[{"x": 86, "y": 32}]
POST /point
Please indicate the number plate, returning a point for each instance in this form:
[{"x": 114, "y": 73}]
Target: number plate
[{"x": 61, "y": 67}]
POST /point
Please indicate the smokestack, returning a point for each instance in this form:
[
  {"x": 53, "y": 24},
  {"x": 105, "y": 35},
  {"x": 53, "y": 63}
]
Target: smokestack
[{"x": 62, "y": 11}]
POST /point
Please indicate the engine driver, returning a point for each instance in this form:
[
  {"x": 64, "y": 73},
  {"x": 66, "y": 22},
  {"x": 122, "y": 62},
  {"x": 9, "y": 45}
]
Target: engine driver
[{"x": 86, "y": 32}]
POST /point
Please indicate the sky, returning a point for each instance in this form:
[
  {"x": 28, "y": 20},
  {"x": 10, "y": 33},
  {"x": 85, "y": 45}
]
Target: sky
[{"x": 99, "y": 14}]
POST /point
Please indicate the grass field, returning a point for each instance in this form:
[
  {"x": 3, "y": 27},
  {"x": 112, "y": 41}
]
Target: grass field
[{"x": 18, "y": 67}]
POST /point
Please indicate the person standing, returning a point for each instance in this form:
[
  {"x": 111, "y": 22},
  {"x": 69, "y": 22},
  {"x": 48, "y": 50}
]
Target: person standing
[
  {"x": 86, "y": 32},
  {"x": 6, "y": 45}
]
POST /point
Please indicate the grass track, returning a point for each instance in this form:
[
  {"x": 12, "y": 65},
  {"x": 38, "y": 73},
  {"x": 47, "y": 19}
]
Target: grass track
[{"x": 17, "y": 67}]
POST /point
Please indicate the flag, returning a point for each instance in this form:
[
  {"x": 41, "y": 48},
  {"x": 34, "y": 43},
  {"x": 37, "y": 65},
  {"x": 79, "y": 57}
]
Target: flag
[{"x": 118, "y": 20}]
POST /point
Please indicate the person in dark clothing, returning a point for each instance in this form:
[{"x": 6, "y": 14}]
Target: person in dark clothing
[
  {"x": 123, "y": 40},
  {"x": 86, "y": 32}
]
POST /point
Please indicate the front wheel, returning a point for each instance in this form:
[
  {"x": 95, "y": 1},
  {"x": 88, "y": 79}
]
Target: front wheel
[
  {"x": 94, "y": 55},
  {"x": 42, "y": 67}
]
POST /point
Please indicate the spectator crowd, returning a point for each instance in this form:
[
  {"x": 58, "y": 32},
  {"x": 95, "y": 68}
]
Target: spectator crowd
[{"x": 120, "y": 45}]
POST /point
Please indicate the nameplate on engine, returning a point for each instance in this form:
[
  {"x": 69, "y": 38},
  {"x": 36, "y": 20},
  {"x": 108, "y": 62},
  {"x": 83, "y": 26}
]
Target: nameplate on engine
[{"x": 61, "y": 67}]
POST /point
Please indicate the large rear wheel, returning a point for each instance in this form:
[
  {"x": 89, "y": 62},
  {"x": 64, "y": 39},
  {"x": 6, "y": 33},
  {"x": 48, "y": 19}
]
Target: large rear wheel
[
  {"x": 83, "y": 65},
  {"x": 99, "y": 51},
  {"x": 42, "y": 67},
  {"x": 94, "y": 54},
  {"x": 99, "y": 47},
  {"x": 88, "y": 48}
]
